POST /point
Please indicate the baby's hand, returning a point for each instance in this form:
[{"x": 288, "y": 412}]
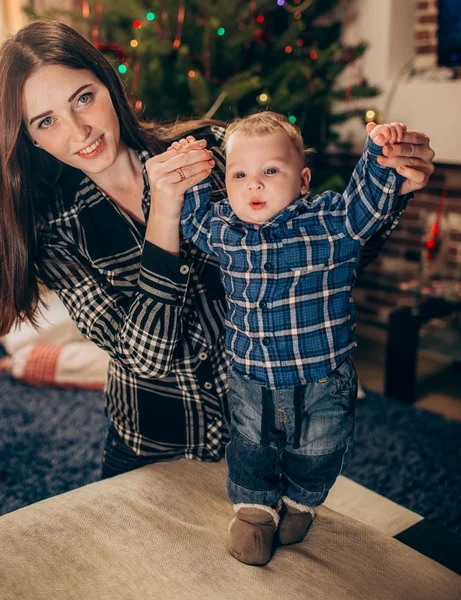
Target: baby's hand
[
  {"x": 387, "y": 133},
  {"x": 187, "y": 143}
]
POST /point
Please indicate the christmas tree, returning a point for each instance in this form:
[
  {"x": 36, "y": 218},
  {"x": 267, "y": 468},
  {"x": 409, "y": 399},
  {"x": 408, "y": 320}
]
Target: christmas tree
[{"x": 225, "y": 59}]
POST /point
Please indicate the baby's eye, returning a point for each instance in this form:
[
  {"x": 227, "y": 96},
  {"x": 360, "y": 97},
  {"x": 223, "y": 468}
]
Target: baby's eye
[
  {"x": 85, "y": 98},
  {"x": 45, "y": 123},
  {"x": 239, "y": 175},
  {"x": 271, "y": 171}
]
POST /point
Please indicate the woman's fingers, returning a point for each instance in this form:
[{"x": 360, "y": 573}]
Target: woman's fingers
[
  {"x": 416, "y": 171},
  {"x": 416, "y": 137},
  {"x": 173, "y": 172},
  {"x": 414, "y": 179},
  {"x": 405, "y": 161},
  {"x": 189, "y": 161},
  {"x": 162, "y": 164},
  {"x": 181, "y": 167},
  {"x": 187, "y": 172},
  {"x": 182, "y": 185},
  {"x": 410, "y": 149},
  {"x": 414, "y": 144},
  {"x": 412, "y": 158},
  {"x": 410, "y": 153},
  {"x": 414, "y": 175}
]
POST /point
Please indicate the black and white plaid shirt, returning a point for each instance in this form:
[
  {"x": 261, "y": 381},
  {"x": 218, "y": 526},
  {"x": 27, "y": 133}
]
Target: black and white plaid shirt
[{"x": 160, "y": 317}]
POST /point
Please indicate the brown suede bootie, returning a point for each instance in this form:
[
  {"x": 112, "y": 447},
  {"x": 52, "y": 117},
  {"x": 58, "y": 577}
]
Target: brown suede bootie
[
  {"x": 295, "y": 520},
  {"x": 251, "y": 533}
]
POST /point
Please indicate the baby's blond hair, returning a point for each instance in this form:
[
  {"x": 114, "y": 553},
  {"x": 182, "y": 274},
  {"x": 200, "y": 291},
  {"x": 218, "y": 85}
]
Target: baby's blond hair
[{"x": 269, "y": 123}]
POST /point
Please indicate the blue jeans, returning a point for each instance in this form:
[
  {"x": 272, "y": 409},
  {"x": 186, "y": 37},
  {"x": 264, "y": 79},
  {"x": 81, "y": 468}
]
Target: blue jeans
[{"x": 290, "y": 442}]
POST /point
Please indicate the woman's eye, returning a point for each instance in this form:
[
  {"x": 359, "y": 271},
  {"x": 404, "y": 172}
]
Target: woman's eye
[
  {"x": 45, "y": 123},
  {"x": 271, "y": 171},
  {"x": 85, "y": 98}
]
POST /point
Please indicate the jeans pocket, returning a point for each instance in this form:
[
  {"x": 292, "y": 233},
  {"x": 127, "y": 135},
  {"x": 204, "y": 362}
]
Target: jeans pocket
[
  {"x": 328, "y": 418},
  {"x": 346, "y": 380},
  {"x": 245, "y": 406}
]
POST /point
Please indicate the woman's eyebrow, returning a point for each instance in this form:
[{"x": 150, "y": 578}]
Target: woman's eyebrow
[
  {"x": 45, "y": 114},
  {"x": 49, "y": 112},
  {"x": 78, "y": 92}
]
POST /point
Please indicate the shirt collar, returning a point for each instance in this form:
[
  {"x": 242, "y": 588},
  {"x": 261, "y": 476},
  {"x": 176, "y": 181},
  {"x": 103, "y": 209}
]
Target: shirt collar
[
  {"x": 144, "y": 156},
  {"x": 297, "y": 207}
]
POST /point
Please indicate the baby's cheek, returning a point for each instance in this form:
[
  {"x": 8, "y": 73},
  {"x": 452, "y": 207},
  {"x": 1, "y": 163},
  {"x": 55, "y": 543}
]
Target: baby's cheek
[{"x": 234, "y": 199}]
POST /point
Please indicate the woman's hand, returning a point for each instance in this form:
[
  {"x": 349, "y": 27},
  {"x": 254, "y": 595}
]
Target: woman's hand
[
  {"x": 412, "y": 158},
  {"x": 171, "y": 173}
]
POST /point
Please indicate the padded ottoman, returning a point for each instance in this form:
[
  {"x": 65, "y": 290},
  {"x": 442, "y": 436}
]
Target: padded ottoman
[{"x": 160, "y": 532}]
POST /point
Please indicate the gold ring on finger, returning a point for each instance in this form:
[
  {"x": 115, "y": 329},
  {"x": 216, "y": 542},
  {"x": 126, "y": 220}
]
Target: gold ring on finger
[
  {"x": 181, "y": 173},
  {"x": 412, "y": 150}
]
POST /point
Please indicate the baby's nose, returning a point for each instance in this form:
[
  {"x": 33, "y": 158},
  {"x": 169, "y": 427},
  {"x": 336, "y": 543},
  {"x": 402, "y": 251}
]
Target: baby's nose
[{"x": 255, "y": 184}]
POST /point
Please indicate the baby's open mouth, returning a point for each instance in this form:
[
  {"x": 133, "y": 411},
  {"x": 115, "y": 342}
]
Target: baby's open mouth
[{"x": 257, "y": 204}]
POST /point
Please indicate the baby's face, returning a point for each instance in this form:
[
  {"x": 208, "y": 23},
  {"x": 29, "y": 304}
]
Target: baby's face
[{"x": 264, "y": 174}]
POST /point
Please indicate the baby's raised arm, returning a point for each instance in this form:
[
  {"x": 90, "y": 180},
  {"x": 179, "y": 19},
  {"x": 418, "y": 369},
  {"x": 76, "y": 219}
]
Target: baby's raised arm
[{"x": 197, "y": 205}]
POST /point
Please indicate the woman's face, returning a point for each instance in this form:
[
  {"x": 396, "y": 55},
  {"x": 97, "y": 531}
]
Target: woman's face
[{"x": 70, "y": 114}]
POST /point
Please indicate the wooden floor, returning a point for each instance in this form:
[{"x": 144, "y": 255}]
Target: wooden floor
[{"x": 439, "y": 380}]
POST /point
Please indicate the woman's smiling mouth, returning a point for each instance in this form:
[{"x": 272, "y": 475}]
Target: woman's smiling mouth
[{"x": 92, "y": 150}]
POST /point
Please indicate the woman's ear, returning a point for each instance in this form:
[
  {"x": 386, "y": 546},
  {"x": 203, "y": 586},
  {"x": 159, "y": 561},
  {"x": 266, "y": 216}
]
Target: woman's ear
[{"x": 305, "y": 180}]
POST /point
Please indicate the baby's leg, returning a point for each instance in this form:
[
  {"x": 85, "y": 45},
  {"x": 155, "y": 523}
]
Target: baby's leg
[
  {"x": 254, "y": 479},
  {"x": 312, "y": 463}
]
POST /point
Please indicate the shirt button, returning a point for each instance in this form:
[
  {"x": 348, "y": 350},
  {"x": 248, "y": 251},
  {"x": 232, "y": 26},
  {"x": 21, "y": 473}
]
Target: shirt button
[
  {"x": 268, "y": 266},
  {"x": 266, "y": 341},
  {"x": 262, "y": 304},
  {"x": 207, "y": 385},
  {"x": 203, "y": 356},
  {"x": 266, "y": 233},
  {"x": 184, "y": 269}
]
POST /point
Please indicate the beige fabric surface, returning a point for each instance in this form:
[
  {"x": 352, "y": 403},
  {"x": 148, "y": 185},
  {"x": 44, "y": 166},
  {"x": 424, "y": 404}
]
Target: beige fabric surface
[
  {"x": 353, "y": 500},
  {"x": 160, "y": 533}
]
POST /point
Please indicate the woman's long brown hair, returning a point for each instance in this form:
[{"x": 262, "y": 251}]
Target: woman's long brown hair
[{"x": 27, "y": 174}]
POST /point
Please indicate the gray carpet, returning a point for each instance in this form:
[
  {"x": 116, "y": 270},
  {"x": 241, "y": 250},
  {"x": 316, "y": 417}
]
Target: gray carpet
[{"x": 51, "y": 442}]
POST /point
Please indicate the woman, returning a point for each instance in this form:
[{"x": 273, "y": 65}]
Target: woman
[{"x": 89, "y": 206}]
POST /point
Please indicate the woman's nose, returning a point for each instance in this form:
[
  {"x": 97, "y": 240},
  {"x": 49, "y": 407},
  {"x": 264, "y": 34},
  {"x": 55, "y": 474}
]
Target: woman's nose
[{"x": 80, "y": 130}]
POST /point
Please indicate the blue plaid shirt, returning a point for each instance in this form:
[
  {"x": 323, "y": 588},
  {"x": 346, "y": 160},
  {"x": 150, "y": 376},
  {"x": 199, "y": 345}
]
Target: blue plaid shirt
[{"x": 288, "y": 282}]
